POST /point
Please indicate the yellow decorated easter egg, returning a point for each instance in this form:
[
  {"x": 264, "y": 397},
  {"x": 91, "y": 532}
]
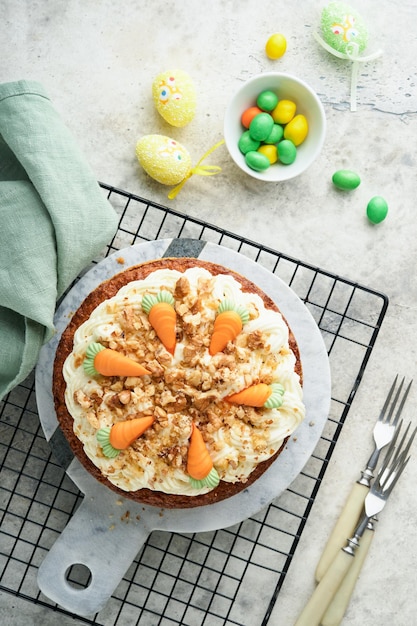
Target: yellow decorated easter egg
[
  {"x": 174, "y": 97},
  {"x": 163, "y": 158}
]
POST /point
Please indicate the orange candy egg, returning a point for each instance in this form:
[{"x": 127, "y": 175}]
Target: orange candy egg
[{"x": 248, "y": 115}]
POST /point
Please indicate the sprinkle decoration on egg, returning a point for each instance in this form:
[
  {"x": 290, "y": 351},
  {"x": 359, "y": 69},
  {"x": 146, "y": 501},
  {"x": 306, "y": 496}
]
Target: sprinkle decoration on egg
[
  {"x": 169, "y": 162},
  {"x": 345, "y": 35},
  {"x": 174, "y": 97}
]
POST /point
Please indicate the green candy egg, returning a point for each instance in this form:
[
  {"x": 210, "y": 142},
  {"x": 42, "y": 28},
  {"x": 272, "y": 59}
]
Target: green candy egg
[
  {"x": 346, "y": 180},
  {"x": 275, "y": 135},
  {"x": 246, "y": 143},
  {"x": 287, "y": 152},
  {"x": 257, "y": 161},
  {"x": 261, "y": 126},
  {"x": 343, "y": 29},
  {"x": 267, "y": 100},
  {"x": 377, "y": 209}
]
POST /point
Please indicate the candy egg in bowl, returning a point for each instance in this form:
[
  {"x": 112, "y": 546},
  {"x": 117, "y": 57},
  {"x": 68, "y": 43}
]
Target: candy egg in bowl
[{"x": 274, "y": 127}]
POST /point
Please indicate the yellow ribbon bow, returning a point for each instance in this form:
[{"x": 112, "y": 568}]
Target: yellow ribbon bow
[{"x": 202, "y": 170}]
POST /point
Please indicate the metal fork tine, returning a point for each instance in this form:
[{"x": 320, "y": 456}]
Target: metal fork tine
[
  {"x": 394, "y": 451},
  {"x": 391, "y": 448},
  {"x": 388, "y": 418},
  {"x": 400, "y": 408},
  {"x": 395, "y": 460},
  {"x": 400, "y": 445},
  {"x": 397, "y": 470},
  {"x": 388, "y": 400}
]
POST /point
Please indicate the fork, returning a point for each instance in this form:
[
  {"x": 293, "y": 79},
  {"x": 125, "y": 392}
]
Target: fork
[
  {"x": 337, "y": 607},
  {"x": 387, "y": 477},
  {"x": 383, "y": 433}
]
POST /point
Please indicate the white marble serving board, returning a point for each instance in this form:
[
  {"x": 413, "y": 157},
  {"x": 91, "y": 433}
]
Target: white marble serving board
[{"x": 107, "y": 530}]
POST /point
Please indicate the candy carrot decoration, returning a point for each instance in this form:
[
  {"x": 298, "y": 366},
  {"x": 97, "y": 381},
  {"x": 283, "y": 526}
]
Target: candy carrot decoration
[
  {"x": 122, "y": 434},
  {"x": 101, "y": 360},
  {"x": 227, "y": 325},
  {"x": 260, "y": 395},
  {"x": 256, "y": 395},
  {"x": 199, "y": 464},
  {"x": 162, "y": 317}
]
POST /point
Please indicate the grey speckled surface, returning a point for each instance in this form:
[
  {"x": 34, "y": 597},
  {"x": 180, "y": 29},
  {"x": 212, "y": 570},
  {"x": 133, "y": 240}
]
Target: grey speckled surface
[{"x": 97, "y": 61}]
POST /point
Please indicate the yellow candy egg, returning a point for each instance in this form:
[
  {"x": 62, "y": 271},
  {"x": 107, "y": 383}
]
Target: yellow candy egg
[
  {"x": 174, "y": 97},
  {"x": 163, "y": 158},
  {"x": 276, "y": 46},
  {"x": 270, "y": 151},
  {"x": 284, "y": 112},
  {"x": 296, "y": 130}
]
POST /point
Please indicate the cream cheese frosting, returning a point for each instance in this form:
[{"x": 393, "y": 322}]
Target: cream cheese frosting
[{"x": 187, "y": 386}]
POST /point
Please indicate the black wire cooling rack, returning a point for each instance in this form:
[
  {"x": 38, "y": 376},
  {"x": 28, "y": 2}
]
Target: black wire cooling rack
[{"x": 188, "y": 579}]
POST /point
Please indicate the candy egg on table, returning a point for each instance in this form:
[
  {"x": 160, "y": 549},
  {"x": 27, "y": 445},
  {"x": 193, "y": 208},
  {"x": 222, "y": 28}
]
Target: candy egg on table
[
  {"x": 174, "y": 97},
  {"x": 377, "y": 209},
  {"x": 346, "y": 180},
  {"x": 163, "y": 158},
  {"x": 276, "y": 46}
]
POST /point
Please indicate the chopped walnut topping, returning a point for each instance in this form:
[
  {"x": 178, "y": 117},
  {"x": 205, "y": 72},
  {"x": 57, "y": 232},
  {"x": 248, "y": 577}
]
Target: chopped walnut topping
[
  {"x": 132, "y": 381},
  {"x": 182, "y": 288},
  {"x": 167, "y": 397},
  {"x": 174, "y": 376},
  {"x": 92, "y": 419},
  {"x": 156, "y": 368},
  {"x": 194, "y": 377},
  {"x": 256, "y": 340},
  {"x": 78, "y": 359},
  {"x": 82, "y": 399},
  {"x": 117, "y": 386},
  {"x": 128, "y": 319},
  {"x": 125, "y": 396},
  {"x": 114, "y": 401},
  {"x": 203, "y": 400}
]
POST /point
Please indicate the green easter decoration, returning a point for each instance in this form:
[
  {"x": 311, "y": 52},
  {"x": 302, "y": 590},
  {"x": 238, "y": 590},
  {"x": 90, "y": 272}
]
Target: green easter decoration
[{"x": 345, "y": 35}]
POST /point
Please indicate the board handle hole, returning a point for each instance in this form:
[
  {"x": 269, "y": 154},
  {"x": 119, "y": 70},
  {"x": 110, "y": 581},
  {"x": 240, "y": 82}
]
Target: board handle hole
[{"x": 78, "y": 576}]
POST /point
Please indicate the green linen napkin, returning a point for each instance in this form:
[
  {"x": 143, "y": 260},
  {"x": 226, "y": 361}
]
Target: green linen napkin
[{"x": 54, "y": 220}]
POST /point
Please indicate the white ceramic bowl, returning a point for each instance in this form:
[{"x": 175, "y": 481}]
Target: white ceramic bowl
[{"x": 289, "y": 88}]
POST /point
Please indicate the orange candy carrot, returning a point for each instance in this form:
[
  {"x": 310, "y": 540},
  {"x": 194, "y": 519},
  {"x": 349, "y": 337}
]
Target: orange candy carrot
[
  {"x": 227, "y": 326},
  {"x": 199, "y": 463},
  {"x": 255, "y": 395},
  {"x": 101, "y": 360},
  {"x": 162, "y": 317},
  {"x": 122, "y": 434}
]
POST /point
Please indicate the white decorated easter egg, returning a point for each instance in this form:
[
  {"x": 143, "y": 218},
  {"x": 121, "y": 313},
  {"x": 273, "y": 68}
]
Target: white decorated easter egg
[
  {"x": 174, "y": 97},
  {"x": 163, "y": 158}
]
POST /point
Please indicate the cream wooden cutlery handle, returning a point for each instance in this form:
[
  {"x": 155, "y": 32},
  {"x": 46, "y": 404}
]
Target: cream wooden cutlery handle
[
  {"x": 343, "y": 528},
  {"x": 325, "y": 590},
  {"x": 337, "y": 608}
]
